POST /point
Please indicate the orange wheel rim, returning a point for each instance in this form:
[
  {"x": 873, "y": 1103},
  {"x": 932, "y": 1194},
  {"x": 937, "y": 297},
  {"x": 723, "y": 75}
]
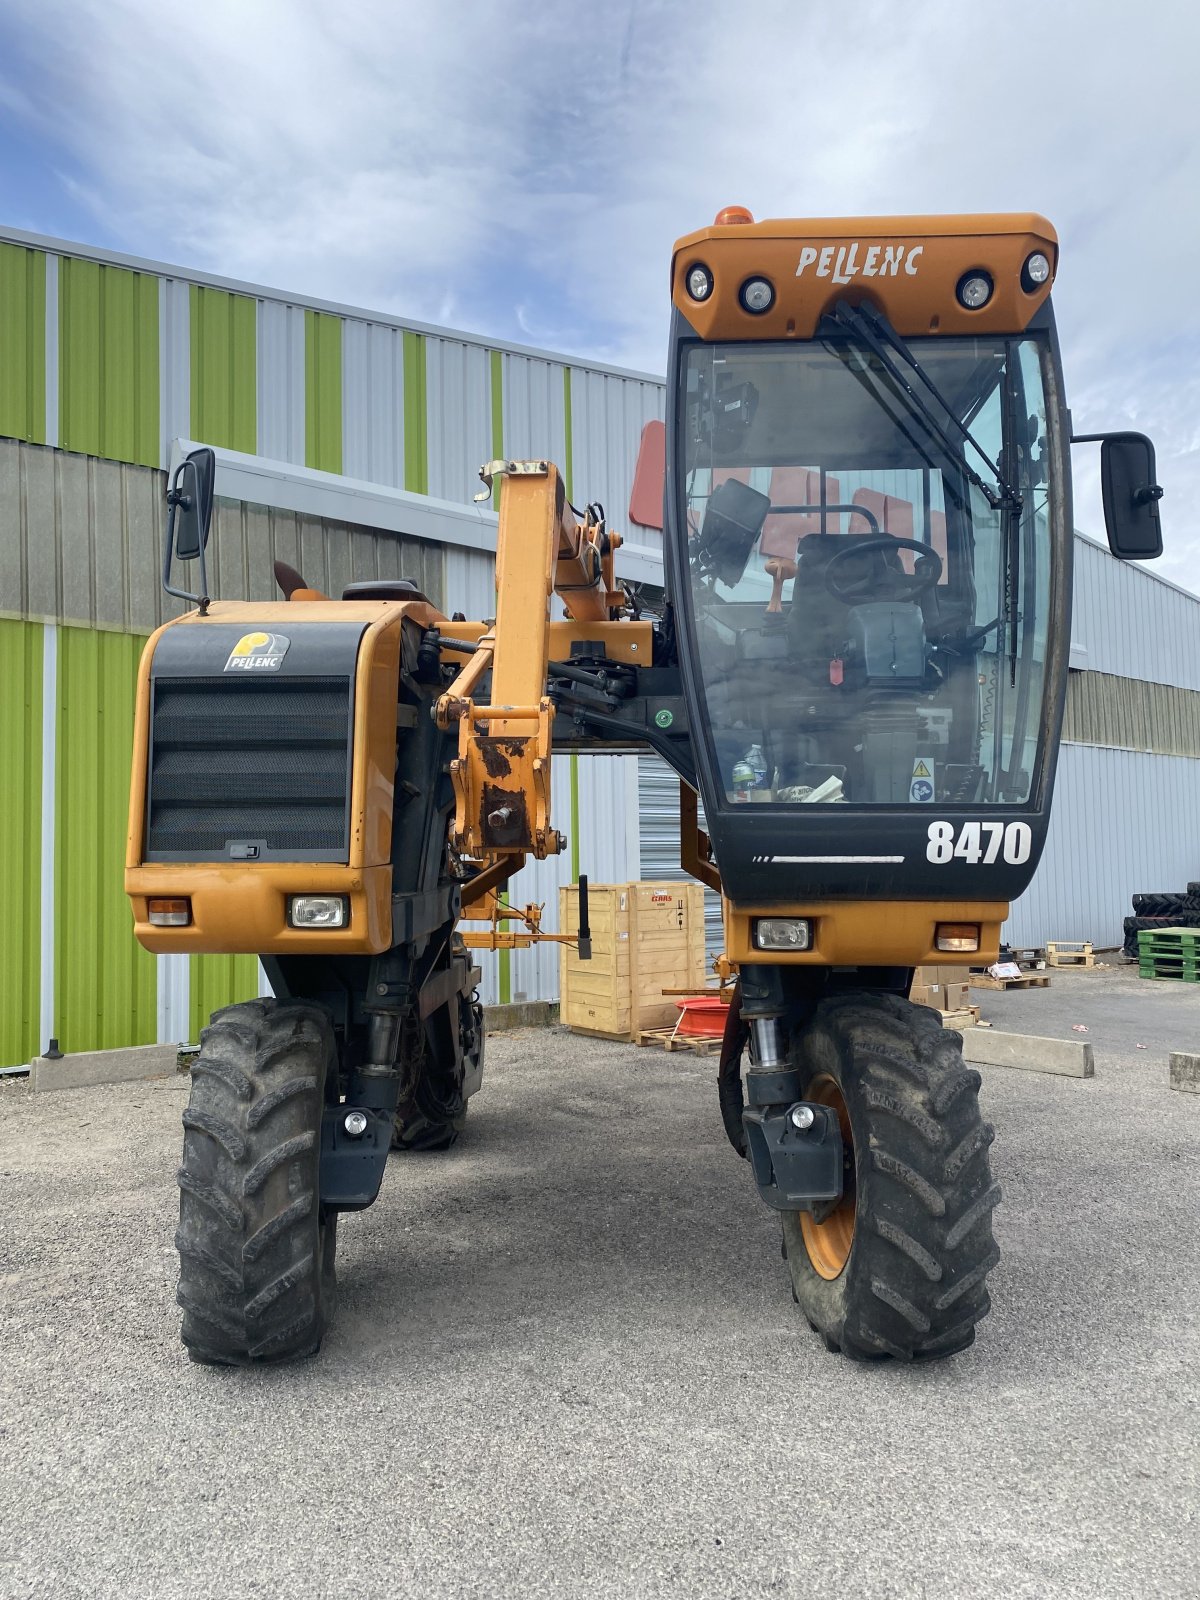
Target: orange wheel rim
[{"x": 829, "y": 1243}]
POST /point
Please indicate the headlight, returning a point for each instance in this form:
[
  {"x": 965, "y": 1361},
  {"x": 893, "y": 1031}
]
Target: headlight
[
  {"x": 318, "y": 911},
  {"x": 1035, "y": 271},
  {"x": 699, "y": 282},
  {"x": 974, "y": 290},
  {"x": 757, "y": 295},
  {"x": 782, "y": 933}
]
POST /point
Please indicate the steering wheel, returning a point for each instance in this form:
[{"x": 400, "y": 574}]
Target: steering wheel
[{"x": 912, "y": 588}]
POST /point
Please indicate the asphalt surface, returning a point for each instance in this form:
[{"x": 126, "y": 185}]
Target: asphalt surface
[{"x": 566, "y": 1360}]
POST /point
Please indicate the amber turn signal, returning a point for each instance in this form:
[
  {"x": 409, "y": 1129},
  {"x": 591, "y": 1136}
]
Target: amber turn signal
[
  {"x": 169, "y": 913},
  {"x": 957, "y": 936},
  {"x": 729, "y": 215}
]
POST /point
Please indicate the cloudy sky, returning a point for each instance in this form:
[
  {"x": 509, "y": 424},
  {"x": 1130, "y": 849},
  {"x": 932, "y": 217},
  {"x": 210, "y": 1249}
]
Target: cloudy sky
[{"x": 522, "y": 170}]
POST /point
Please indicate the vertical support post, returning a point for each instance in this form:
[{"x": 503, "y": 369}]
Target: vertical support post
[{"x": 47, "y": 1022}]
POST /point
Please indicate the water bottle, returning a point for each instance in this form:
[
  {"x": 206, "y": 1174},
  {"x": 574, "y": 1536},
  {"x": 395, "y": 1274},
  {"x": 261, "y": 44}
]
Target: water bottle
[
  {"x": 758, "y": 762},
  {"x": 743, "y": 781}
]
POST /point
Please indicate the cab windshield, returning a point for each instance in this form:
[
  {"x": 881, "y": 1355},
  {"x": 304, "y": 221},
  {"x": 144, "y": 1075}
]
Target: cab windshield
[{"x": 869, "y": 588}]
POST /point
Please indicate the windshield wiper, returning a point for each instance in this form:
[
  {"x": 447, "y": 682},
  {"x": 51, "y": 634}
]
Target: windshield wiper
[{"x": 866, "y": 324}]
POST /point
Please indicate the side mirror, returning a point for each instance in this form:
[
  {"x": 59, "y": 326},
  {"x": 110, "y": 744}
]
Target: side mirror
[
  {"x": 649, "y": 478},
  {"x": 189, "y": 518},
  {"x": 1131, "y": 494},
  {"x": 190, "y": 498}
]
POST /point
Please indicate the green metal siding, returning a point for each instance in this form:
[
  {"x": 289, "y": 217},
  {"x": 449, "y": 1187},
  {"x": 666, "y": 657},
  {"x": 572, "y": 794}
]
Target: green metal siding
[
  {"x": 22, "y": 343},
  {"x": 106, "y": 984},
  {"x": 108, "y": 362},
  {"x": 220, "y": 981},
  {"x": 416, "y": 415},
  {"x": 322, "y": 391},
  {"x": 224, "y": 369},
  {"x": 20, "y": 839}
]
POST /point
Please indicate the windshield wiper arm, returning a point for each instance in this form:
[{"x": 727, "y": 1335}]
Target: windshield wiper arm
[{"x": 867, "y": 325}]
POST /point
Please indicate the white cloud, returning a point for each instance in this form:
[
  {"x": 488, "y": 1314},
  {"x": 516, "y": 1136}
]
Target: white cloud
[{"x": 525, "y": 170}]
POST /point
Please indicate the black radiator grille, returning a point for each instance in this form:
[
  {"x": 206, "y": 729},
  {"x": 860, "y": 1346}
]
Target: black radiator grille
[{"x": 250, "y": 762}]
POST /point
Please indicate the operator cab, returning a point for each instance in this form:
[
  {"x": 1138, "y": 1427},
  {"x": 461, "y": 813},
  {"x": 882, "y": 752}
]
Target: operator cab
[{"x": 868, "y": 545}]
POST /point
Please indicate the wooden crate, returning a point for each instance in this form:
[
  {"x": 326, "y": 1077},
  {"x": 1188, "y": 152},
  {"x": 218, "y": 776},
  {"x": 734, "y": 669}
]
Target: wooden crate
[{"x": 646, "y": 937}]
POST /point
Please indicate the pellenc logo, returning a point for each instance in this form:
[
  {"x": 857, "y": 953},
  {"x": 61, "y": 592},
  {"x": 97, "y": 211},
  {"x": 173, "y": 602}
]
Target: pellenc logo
[
  {"x": 258, "y": 652},
  {"x": 843, "y": 265}
]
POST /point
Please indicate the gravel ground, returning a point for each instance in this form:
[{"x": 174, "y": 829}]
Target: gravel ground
[{"x": 566, "y": 1360}]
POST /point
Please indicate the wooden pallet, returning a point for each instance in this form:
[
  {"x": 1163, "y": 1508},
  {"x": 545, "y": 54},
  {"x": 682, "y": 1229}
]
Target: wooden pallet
[
  {"x": 1165, "y": 967},
  {"x": 1029, "y": 980},
  {"x": 966, "y": 1018},
  {"x": 1027, "y": 957},
  {"x": 697, "y": 1044},
  {"x": 1069, "y": 953}
]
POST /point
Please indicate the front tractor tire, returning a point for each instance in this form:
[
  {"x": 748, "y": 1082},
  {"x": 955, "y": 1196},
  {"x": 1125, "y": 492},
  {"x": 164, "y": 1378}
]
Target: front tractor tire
[
  {"x": 899, "y": 1267},
  {"x": 256, "y": 1252}
]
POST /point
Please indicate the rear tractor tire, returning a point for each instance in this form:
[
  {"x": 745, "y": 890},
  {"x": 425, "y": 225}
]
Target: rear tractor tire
[
  {"x": 898, "y": 1268},
  {"x": 256, "y": 1251},
  {"x": 432, "y": 1109}
]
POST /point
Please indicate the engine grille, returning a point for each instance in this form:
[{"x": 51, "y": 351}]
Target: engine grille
[{"x": 237, "y": 762}]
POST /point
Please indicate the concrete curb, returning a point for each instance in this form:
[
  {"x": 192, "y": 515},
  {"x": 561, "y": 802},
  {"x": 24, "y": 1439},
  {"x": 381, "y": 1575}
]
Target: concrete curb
[
  {"x": 1066, "y": 1057},
  {"x": 522, "y": 1014},
  {"x": 1185, "y": 1072},
  {"x": 92, "y": 1067}
]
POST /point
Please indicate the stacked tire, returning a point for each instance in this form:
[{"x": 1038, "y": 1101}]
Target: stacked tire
[{"x": 1154, "y": 911}]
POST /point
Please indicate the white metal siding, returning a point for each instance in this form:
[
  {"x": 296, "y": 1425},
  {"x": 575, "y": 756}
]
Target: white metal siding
[
  {"x": 1131, "y": 623},
  {"x": 175, "y": 363},
  {"x": 1122, "y": 823},
  {"x": 458, "y": 390},
  {"x": 535, "y": 424},
  {"x": 373, "y": 403},
  {"x": 280, "y": 378},
  {"x": 608, "y": 414}
]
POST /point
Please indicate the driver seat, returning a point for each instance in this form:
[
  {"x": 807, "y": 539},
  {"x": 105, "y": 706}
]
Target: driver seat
[{"x": 816, "y": 622}]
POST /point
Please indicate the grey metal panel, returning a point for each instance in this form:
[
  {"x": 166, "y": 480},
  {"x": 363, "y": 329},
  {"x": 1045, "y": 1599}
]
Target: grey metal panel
[
  {"x": 1132, "y": 714},
  {"x": 83, "y": 544},
  {"x": 607, "y": 418},
  {"x": 470, "y": 583},
  {"x": 1123, "y": 823},
  {"x": 174, "y": 363},
  {"x": 658, "y": 816},
  {"x": 87, "y": 252},
  {"x": 373, "y": 403},
  {"x": 1131, "y": 623},
  {"x": 458, "y": 388},
  {"x": 280, "y": 378}
]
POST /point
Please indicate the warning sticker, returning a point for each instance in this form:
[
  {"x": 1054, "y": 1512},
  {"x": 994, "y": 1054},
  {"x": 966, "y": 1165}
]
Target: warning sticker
[{"x": 921, "y": 790}]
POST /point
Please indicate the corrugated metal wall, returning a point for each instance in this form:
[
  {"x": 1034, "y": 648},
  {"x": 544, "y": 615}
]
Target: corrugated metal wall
[
  {"x": 1123, "y": 823},
  {"x": 107, "y": 985},
  {"x": 82, "y": 543},
  {"x": 658, "y": 807},
  {"x": 22, "y": 343},
  {"x": 1131, "y": 623},
  {"x": 108, "y": 363},
  {"x": 1132, "y": 714},
  {"x": 20, "y": 837}
]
